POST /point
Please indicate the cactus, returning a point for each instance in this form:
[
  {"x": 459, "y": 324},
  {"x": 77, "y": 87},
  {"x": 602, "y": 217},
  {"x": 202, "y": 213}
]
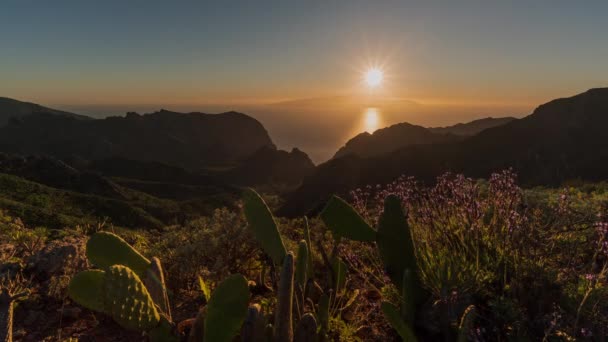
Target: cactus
[
  {"x": 253, "y": 329},
  {"x": 408, "y": 296},
  {"x": 344, "y": 221},
  {"x": 155, "y": 283},
  {"x": 86, "y": 289},
  {"x": 105, "y": 249},
  {"x": 283, "y": 315},
  {"x": 118, "y": 292},
  {"x": 306, "y": 331},
  {"x": 323, "y": 316},
  {"x": 263, "y": 225},
  {"x": 391, "y": 312},
  {"x": 197, "y": 331},
  {"x": 302, "y": 265},
  {"x": 127, "y": 300},
  {"x": 339, "y": 269},
  {"x": 309, "y": 244},
  {"x": 395, "y": 245},
  {"x": 394, "y": 241},
  {"x": 226, "y": 309}
]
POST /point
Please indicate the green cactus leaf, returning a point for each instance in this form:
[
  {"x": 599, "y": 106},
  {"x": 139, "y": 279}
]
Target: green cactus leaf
[
  {"x": 323, "y": 313},
  {"x": 284, "y": 310},
  {"x": 340, "y": 269},
  {"x": 86, "y": 289},
  {"x": 105, "y": 249},
  {"x": 344, "y": 221},
  {"x": 127, "y": 300},
  {"x": 263, "y": 225},
  {"x": 306, "y": 330},
  {"x": 309, "y": 243},
  {"x": 204, "y": 288},
  {"x": 302, "y": 265},
  {"x": 227, "y": 309},
  {"x": 408, "y": 295},
  {"x": 163, "y": 332},
  {"x": 395, "y": 241},
  {"x": 391, "y": 313}
]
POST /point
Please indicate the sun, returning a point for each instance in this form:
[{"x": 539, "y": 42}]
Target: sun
[{"x": 373, "y": 77}]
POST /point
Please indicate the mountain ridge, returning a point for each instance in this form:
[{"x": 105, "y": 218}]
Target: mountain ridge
[{"x": 561, "y": 140}]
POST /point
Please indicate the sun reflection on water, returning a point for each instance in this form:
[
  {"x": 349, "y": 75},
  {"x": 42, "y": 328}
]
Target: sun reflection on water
[{"x": 371, "y": 119}]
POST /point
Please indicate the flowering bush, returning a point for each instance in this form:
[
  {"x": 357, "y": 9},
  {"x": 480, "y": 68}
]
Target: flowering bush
[{"x": 523, "y": 256}]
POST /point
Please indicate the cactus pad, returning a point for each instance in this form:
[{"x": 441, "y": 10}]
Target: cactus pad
[
  {"x": 86, "y": 289},
  {"x": 263, "y": 225},
  {"x": 306, "y": 331},
  {"x": 344, "y": 221},
  {"x": 127, "y": 300},
  {"x": 395, "y": 241},
  {"x": 105, "y": 249},
  {"x": 302, "y": 265},
  {"x": 227, "y": 309},
  {"x": 391, "y": 313}
]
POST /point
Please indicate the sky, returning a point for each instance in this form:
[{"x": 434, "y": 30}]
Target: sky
[{"x": 297, "y": 66}]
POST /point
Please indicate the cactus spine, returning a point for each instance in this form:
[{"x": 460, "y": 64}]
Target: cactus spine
[{"x": 284, "y": 311}]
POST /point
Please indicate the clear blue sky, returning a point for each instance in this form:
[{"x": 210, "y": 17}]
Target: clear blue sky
[{"x": 507, "y": 55}]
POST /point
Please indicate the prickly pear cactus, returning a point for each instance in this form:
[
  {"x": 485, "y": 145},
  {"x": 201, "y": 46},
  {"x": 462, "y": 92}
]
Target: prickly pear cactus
[
  {"x": 253, "y": 327},
  {"x": 306, "y": 331},
  {"x": 86, "y": 289},
  {"x": 155, "y": 283},
  {"x": 117, "y": 292},
  {"x": 391, "y": 312},
  {"x": 302, "y": 265},
  {"x": 309, "y": 244},
  {"x": 105, "y": 249},
  {"x": 394, "y": 241},
  {"x": 263, "y": 225},
  {"x": 127, "y": 300},
  {"x": 226, "y": 309},
  {"x": 344, "y": 221},
  {"x": 284, "y": 310}
]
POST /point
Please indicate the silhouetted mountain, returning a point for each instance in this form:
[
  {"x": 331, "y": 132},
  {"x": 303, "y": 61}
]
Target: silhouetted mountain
[
  {"x": 194, "y": 140},
  {"x": 473, "y": 127},
  {"x": 561, "y": 140},
  {"x": 268, "y": 165},
  {"x": 390, "y": 139},
  {"x": 10, "y": 108}
]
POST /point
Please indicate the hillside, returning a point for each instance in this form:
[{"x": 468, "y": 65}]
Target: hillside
[
  {"x": 10, "y": 108},
  {"x": 193, "y": 140},
  {"x": 473, "y": 127},
  {"x": 390, "y": 139},
  {"x": 561, "y": 140}
]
